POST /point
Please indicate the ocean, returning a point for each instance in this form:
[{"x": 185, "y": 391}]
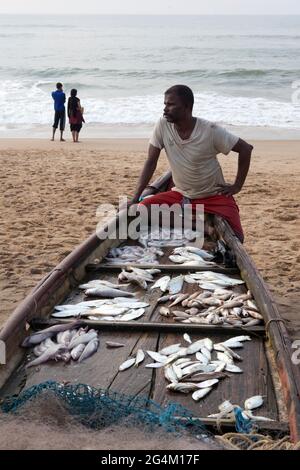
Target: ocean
[{"x": 242, "y": 69}]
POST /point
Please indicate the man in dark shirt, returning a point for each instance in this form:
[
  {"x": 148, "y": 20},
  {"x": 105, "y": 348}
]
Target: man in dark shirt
[{"x": 60, "y": 113}]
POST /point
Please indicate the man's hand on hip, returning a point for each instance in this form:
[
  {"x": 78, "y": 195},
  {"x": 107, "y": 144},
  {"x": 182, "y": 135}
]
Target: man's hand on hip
[{"x": 228, "y": 189}]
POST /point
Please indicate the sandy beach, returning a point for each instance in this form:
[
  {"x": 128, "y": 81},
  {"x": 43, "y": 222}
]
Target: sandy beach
[{"x": 50, "y": 193}]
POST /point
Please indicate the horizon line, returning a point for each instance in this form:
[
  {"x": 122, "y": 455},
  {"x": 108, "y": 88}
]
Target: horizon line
[{"x": 148, "y": 14}]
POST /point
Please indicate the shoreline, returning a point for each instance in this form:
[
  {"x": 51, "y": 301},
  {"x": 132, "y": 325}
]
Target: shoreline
[{"x": 143, "y": 131}]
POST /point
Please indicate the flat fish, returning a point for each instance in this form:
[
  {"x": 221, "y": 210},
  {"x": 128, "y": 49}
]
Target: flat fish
[
  {"x": 161, "y": 283},
  {"x": 111, "y": 310},
  {"x": 132, "y": 315},
  {"x": 108, "y": 292},
  {"x": 175, "y": 284}
]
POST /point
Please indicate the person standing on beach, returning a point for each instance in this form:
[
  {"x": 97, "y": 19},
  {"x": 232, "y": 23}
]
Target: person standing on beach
[
  {"x": 75, "y": 114},
  {"x": 59, "y": 111},
  {"x": 192, "y": 145}
]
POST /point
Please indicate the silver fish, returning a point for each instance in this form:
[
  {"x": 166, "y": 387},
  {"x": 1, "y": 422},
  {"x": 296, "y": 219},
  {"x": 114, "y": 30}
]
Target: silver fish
[
  {"x": 84, "y": 339},
  {"x": 132, "y": 315},
  {"x": 108, "y": 292},
  {"x": 140, "y": 356},
  {"x": 50, "y": 353},
  {"x": 40, "y": 336},
  {"x": 89, "y": 350},
  {"x": 128, "y": 363},
  {"x": 201, "y": 393},
  {"x": 77, "y": 351}
]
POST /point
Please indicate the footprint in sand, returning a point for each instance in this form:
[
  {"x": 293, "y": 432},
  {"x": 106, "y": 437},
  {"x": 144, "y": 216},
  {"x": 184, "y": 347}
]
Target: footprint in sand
[{"x": 287, "y": 217}]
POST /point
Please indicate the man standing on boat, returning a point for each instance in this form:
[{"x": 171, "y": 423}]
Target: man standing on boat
[{"x": 192, "y": 145}]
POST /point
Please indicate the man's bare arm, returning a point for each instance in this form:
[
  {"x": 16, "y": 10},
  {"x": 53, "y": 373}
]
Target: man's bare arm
[
  {"x": 147, "y": 172},
  {"x": 244, "y": 150}
]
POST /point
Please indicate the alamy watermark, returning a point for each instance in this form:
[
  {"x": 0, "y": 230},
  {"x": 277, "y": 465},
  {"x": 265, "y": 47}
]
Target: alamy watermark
[
  {"x": 176, "y": 221},
  {"x": 296, "y": 355}
]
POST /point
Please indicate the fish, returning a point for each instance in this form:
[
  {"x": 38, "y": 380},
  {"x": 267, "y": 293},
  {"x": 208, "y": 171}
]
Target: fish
[
  {"x": 154, "y": 365},
  {"x": 223, "y": 357},
  {"x": 175, "y": 284},
  {"x": 201, "y": 393},
  {"x": 39, "y": 349},
  {"x": 161, "y": 283},
  {"x": 74, "y": 312},
  {"x": 183, "y": 387},
  {"x": 187, "y": 338},
  {"x": 112, "y": 344},
  {"x": 107, "y": 292},
  {"x": 100, "y": 283},
  {"x": 253, "y": 402},
  {"x": 64, "y": 337},
  {"x": 195, "y": 347},
  {"x": 157, "y": 356},
  {"x": 163, "y": 299},
  {"x": 77, "y": 351},
  {"x": 170, "y": 374},
  {"x": 172, "y": 349},
  {"x": 84, "y": 339},
  {"x": 140, "y": 356},
  {"x": 208, "y": 383},
  {"x": 128, "y": 363},
  {"x": 233, "y": 368},
  {"x": 164, "y": 311},
  {"x": 40, "y": 336},
  {"x": 111, "y": 310},
  {"x": 132, "y": 315},
  {"x": 89, "y": 349},
  {"x": 50, "y": 353}
]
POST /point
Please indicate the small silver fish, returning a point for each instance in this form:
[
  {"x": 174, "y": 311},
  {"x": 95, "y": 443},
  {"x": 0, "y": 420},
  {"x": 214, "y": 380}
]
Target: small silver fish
[
  {"x": 108, "y": 292},
  {"x": 77, "y": 351},
  {"x": 89, "y": 349}
]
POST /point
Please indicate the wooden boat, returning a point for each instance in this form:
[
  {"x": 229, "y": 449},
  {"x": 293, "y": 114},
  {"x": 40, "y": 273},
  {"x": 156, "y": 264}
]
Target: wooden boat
[{"x": 267, "y": 365}]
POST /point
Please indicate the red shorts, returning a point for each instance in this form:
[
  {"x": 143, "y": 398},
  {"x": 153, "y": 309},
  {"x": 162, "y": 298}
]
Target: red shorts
[{"x": 224, "y": 206}]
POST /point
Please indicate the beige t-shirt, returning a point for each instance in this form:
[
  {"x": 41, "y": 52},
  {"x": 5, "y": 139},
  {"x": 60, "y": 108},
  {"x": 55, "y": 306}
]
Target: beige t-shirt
[{"x": 195, "y": 169}]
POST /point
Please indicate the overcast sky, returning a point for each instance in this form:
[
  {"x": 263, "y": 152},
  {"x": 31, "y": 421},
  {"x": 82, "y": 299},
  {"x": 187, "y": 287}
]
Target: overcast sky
[{"x": 154, "y": 7}]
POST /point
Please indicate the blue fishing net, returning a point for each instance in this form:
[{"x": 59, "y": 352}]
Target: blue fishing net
[{"x": 98, "y": 408}]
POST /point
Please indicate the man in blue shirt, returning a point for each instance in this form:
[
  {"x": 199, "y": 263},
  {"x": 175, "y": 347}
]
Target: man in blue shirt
[{"x": 60, "y": 113}]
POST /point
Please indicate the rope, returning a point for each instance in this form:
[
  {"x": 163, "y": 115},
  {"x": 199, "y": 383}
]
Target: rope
[
  {"x": 273, "y": 319},
  {"x": 237, "y": 441}
]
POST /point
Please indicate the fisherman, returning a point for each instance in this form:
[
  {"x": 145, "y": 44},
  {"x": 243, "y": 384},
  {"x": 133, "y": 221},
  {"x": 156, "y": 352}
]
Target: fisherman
[{"x": 192, "y": 145}]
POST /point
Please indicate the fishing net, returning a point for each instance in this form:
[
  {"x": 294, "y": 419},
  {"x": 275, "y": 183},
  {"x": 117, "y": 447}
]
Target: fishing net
[{"x": 102, "y": 416}]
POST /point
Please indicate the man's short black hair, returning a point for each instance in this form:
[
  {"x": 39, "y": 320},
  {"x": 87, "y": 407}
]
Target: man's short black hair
[
  {"x": 59, "y": 86},
  {"x": 184, "y": 93}
]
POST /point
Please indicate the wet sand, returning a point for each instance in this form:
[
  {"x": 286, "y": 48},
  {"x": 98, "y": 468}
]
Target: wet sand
[{"x": 51, "y": 191}]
